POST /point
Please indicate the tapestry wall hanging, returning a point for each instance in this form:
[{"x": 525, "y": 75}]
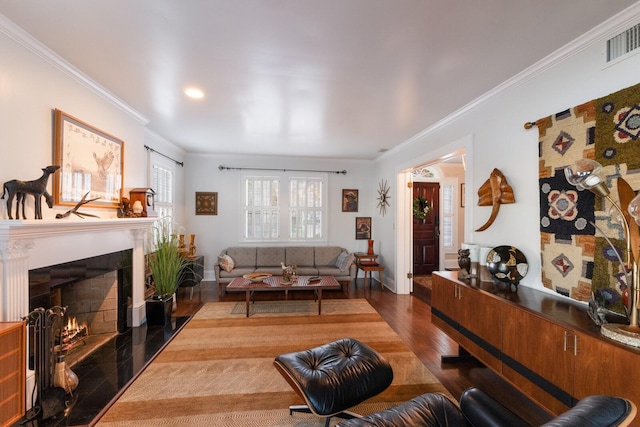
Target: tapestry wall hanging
[{"x": 576, "y": 258}]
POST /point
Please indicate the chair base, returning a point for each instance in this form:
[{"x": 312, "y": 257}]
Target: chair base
[{"x": 347, "y": 415}]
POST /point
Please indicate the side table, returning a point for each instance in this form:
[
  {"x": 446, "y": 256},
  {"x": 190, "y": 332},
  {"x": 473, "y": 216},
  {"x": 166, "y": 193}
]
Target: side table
[
  {"x": 368, "y": 263},
  {"x": 193, "y": 274}
]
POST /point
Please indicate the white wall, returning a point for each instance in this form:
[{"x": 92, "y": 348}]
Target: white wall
[
  {"x": 216, "y": 232},
  {"x": 32, "y": 85},
  {"x": 494, "y": 127}
]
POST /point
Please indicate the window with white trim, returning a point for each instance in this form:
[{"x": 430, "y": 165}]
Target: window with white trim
[
  {"x": 261, "y": 208},
  {"x": 162, "y": 183},
  {"x": 448, "y": 229},
  {"x": 283, "y": 201},
  {"x": 305, "y": 208}
]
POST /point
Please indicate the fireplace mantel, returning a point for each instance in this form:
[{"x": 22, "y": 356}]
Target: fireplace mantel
[{"x": 30, "y": 244}]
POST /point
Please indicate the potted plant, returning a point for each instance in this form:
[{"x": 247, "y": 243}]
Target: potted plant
[{"x": 167, "y": 265}]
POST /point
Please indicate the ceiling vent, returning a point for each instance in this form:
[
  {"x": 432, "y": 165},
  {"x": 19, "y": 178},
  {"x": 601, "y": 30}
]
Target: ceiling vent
[{"x": 623, "y": 43}]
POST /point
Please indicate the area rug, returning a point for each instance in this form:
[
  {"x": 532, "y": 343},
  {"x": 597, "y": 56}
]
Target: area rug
[{"x": 218, "y": 371}]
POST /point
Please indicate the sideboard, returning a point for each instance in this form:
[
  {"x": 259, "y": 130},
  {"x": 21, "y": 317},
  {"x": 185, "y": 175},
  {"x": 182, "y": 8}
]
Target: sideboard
[{"x": 545, "y": 345}]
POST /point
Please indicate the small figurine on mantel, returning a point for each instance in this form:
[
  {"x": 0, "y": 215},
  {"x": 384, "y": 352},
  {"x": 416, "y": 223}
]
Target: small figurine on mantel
[
  {"x": 124, "y": 209},
  {"x": 37, "y": 188}
]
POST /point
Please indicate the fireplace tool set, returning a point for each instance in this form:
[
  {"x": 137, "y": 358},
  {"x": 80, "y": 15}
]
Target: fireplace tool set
[{"x": 54, "y": 381}]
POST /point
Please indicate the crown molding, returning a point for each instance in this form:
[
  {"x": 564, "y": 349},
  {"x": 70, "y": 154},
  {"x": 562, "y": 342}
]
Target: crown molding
[
  {"x": 609, "y": 28},
  {"x": 17, "y": 34}
]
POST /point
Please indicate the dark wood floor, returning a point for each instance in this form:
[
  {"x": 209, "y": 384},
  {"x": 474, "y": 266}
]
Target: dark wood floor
[{"x": 410, "y": 317}]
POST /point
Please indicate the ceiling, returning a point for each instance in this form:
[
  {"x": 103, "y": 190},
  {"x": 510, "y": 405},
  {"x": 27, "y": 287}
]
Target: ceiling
[{"x": 318, "y": 78}]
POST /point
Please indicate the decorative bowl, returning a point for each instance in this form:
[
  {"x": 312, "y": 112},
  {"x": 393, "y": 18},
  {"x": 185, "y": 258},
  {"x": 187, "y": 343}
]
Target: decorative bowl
[
  {"x": 507, "y": 264},
  {"x": 256, "y": 278}
]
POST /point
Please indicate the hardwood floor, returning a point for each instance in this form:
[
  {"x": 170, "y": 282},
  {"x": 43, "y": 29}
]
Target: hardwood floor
[{"x": 410, "y": 317}]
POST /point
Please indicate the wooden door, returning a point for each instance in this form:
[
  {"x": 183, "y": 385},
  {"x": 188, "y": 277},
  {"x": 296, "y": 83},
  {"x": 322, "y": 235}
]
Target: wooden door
[{"x": 426, "y": 232}]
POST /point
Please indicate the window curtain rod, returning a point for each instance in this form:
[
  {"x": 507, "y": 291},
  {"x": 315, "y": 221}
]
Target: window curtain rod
[
  {"x": 223, "y": 168},
  {"x": 164, "y": 155}
]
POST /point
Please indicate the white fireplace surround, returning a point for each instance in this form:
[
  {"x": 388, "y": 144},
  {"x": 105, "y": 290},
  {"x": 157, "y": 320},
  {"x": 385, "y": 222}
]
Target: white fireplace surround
[{"x": 30, "y": 244}]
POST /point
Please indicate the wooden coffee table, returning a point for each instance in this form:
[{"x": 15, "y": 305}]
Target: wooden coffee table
[{"x": 272, "y": 283}]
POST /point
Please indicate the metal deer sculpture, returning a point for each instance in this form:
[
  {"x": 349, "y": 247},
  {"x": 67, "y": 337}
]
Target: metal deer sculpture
[{"x": 37, "y": 188}]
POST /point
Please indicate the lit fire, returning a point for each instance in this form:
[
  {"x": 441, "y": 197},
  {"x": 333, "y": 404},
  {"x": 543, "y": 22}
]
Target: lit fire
[{"x": 73, "y": 331}]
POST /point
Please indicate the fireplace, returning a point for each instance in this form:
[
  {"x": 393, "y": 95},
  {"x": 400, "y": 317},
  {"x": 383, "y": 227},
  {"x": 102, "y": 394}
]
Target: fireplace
[
  {"x": 31, "y": 245},
  {"x": 97, "y": 295}
]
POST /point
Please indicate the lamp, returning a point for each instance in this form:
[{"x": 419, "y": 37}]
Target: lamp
[{"x": 587, "y": 174}]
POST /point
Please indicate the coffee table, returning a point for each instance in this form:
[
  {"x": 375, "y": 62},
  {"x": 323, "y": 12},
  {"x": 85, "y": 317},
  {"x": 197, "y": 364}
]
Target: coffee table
[{"x": 273, "y": 283}]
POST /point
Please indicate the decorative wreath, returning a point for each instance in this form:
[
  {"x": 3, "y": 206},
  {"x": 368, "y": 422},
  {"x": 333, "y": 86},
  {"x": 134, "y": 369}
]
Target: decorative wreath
[{"x": 421, "y": 207}]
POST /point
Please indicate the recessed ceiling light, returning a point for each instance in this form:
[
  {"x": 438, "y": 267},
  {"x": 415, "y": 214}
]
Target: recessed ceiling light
[{"x": 194, "y": 92}]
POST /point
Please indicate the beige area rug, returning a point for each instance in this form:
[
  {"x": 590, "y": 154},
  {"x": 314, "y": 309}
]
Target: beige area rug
[{"x": 218, "y": 371}]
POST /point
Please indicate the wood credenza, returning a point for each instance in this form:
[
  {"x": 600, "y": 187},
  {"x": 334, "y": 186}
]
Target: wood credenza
[
  {"x": 545, "y": 345},
  {"x": 12, "y": 371}
]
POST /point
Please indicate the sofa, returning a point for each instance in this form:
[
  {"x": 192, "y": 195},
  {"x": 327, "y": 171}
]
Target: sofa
[{"x": 237, "y": 261}]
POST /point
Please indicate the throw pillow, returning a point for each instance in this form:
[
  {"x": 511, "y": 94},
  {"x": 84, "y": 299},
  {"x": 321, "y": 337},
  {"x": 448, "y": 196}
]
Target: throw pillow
[
  {"x": 226, "y": 263},
  {"x": 344, "y": 261}
]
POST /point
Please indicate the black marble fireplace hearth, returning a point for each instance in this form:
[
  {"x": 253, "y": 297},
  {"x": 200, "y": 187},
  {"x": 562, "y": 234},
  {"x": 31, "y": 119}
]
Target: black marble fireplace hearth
[{"x": 107, "y": 371}]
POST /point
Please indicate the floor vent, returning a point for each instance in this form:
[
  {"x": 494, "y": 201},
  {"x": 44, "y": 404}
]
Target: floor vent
[{"x": 623, "y": 43}]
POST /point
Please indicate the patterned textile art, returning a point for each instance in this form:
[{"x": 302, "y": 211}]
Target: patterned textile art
[{"x": 576, "y": 257}]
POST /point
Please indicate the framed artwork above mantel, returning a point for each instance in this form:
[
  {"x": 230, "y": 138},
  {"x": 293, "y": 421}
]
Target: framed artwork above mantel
[{"x": 91, "y": 161}]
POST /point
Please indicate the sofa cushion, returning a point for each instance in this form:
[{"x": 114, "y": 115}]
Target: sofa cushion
[
  {"x": 236, "y": 272},
  {"x": 275, "y": 271},
  {"x": 243, "y": 257},
  {"x": 327, "y": 255},
  {"x": 300, "y": 256},
  {"x": 270, "y": 257},
  {"x": 307, "y": 271},
  {"x": 344, "y": 261},
  {"x": 332, "y": 271},
  {"x": 226, "y": 263}
]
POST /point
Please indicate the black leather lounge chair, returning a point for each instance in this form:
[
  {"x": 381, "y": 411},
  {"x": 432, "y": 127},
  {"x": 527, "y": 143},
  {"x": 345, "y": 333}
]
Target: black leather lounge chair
[
  {"x": 478, "y": 409},
  {"x": 337, "y": 376}
]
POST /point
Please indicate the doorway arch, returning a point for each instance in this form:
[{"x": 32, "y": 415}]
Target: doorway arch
[{"x": 404, "y": 234}]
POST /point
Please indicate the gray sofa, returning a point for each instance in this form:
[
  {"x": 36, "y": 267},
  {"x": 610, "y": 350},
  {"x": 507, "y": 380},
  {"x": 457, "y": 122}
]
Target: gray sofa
[{"x": 310, "y": 260}]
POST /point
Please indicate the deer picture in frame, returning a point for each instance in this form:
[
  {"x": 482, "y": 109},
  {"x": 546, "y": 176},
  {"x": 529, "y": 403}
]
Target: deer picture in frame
[{"x": 37, "y": 188}]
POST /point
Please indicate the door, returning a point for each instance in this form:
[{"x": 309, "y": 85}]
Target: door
[{"x": 426, "y": 231}]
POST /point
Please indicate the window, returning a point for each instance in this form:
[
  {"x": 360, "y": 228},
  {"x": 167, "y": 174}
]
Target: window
[
  {"x": 284, "y": 202},
  {"x": 305, "y": 208},
  {"x": 261, "y": 208},
  {"x": 162, "y": 184},
  {"x": 449, "y": 207}
]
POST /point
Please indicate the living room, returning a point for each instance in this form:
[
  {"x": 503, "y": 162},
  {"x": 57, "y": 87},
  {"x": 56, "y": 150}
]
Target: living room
[{"x": 489, "y": 130}]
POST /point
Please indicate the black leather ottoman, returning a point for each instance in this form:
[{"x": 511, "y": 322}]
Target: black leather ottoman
[{"x": 335, "y": 377}]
